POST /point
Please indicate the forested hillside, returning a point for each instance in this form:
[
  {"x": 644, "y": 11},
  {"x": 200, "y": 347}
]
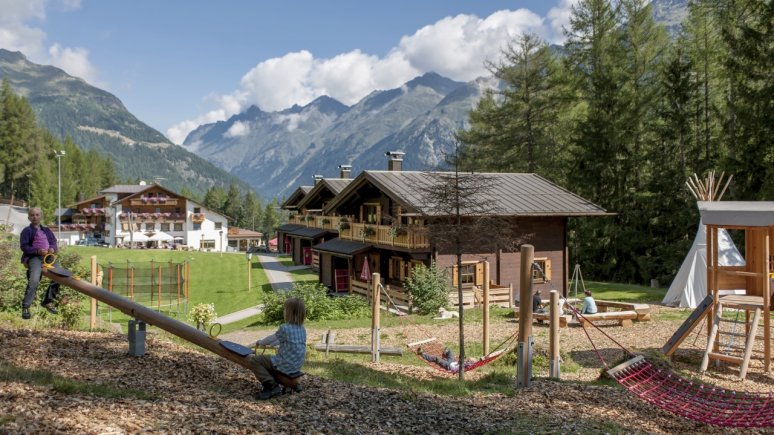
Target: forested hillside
[{"x": 626, "y": 114}]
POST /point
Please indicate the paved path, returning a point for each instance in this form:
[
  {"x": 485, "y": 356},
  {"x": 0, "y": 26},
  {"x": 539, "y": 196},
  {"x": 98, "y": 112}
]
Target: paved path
[{"x": 279, "y": 278}]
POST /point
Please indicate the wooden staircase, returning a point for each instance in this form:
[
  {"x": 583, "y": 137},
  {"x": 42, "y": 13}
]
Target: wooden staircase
[{"x": 747, "y": 304}]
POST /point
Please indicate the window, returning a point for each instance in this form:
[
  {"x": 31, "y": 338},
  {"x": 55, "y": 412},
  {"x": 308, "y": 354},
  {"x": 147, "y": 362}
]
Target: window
[
  {"x": 124, "y": 227},
  {"x": 468, "y": 274},
  {"x": 150, "y": 227},
  {"x": 177, "y": 210},
  {"x": 197, "y": 227},
  {"x": 178, "y": 226},
  {"x": 165, "y": 226},
  {"x": 472, "y": 274},
  {"x": 370, "y": 213},
  {"x": 397, "y": 269},
  {"x": 137, "y": 226},
  {"x": 197, "y": 210},
  {"x": 218, "y": 225},
  {"x": 541, "y": 270},
  {"x": 208, "y": 244}
]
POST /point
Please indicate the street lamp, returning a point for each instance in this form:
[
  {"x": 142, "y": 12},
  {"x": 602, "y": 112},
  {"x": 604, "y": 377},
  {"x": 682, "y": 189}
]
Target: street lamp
[
  {"x": 59, "y": 154},
  {"x": 221, "y": 243},
  {"x": 249, "y": 269}
]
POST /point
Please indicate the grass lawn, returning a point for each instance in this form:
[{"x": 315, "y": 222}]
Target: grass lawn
[{"x": 215, "y": 278}]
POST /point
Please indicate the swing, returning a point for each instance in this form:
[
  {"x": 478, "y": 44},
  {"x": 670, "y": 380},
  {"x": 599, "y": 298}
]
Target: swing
[{"x": 670, "y": 392}]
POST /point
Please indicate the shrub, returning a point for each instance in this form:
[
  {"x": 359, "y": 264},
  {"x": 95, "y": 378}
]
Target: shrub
[
  {"x": 319, "y": 306},
  {"x": 13, "y": 280},
  {"x": 428, "y": 288},
  {"x": 70, "y": 301},
  {"x": 203, "y": 315}
]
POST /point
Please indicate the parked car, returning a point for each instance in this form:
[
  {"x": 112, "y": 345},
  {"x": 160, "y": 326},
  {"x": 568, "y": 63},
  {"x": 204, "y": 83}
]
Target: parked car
[
  {"x": 92, "y": 242},
  {"x": 257, "y": 249}
]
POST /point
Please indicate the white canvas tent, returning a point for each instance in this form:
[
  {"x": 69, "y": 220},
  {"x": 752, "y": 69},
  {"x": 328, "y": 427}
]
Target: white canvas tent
[{"x": 690, "y": 284}]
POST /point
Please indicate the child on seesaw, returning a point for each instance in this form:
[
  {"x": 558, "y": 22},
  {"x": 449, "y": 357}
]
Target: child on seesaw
[{"x": 291, "y": 339}]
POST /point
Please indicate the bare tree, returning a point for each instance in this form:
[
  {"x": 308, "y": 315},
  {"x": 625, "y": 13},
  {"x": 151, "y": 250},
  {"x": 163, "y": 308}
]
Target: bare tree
[{"x": 463, "y": 216}]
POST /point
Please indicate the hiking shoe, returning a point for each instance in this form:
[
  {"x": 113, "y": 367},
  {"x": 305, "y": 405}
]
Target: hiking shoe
[
  {"x": 50, "y": 308},
  {"x": 26, "y": 314},
  {"x": 269, "y": 391}
]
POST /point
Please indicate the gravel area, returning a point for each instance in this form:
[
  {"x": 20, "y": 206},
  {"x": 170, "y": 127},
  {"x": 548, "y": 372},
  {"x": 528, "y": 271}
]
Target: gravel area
[{"x": 195, "y": 392}]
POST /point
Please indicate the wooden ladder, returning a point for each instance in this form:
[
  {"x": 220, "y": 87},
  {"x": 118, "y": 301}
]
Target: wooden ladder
[{"x": 746, "y": 303}]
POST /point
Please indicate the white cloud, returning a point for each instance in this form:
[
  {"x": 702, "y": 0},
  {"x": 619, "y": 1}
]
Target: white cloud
[
  {"x": 559, "y": 17},
  {"x": 19, "y": 31},
  {"x": 238, "y": 129},
  {"x": 455, "y": 47}
]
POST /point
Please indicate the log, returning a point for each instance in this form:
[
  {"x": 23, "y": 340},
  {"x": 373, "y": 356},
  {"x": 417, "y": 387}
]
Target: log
[{"x": 347, "y": 348}]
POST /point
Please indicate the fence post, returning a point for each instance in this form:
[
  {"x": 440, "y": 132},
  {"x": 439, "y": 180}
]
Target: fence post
[
  {"x": 554, "y": 360},
  {"x": 375, "y": 320},
  {"x": 486, "y": 308},
  {"x": 93, "y": 311},
  {"x": 524, "y": 363}
]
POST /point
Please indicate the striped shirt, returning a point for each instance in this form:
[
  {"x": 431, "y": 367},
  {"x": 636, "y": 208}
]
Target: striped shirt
[{"x": 292, "y": 347}]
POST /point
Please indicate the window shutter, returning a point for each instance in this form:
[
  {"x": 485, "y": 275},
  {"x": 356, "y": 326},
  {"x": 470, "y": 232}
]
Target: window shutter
[
  {"x": 548, "y": 270},
  {"x": 454, "y": 276},
  {"x": 479, "y": 273}
]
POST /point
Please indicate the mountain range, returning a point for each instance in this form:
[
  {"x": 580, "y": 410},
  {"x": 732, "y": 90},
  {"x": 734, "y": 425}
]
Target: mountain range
[
  {"x": 275, "y": 152},
  {"x": 96, "y": 119}
]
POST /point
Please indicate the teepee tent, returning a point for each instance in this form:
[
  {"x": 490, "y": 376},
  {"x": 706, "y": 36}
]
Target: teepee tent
[{"x": 690, "y": 284}]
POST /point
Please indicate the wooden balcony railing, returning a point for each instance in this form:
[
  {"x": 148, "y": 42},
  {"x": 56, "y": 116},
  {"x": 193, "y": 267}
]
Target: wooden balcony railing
[
  {"x": 410, "y": 237},
  {"x": 138, "y": 201}
]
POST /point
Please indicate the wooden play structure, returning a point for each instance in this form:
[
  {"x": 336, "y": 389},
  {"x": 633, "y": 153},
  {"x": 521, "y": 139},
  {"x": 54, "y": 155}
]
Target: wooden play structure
[{"x": 756, "y": 221}]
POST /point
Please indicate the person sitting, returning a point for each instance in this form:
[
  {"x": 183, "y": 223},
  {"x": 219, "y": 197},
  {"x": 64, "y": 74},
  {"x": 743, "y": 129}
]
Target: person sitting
[
  {"x": 291, "y": 341},
  {"x": 446, "y": 360},
  {"x": 537, "y": 303},
  {"x": 589, "y": 306}
]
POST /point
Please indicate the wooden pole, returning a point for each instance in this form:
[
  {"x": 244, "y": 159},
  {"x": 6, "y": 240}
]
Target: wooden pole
[
  {"x": 249, "y": 274},
  {"x": 93, "y": 311},
  {"x": 553, "y": 338},
  {"x": 159, "y": 287},
  {"x": 150, "y": 317},
  {"x": 375, "y": 316},
  {"x": 486, "y": 308},
  {"x": 524, "y": 357},
  {"x": 766, "y": 239}
]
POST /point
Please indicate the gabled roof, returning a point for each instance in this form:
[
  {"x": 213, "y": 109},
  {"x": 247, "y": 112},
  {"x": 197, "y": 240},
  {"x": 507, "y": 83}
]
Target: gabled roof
[
  {"x": 124, "y": 188},
  {"x": 737, "y": 213},
  {"x": 87, "y": 200},
  {"x": 329, "y": 186},
  {"x": 149, "y": 187},
  {"x": 296, "y": 197},
  {"x": 514, "y": 194}
]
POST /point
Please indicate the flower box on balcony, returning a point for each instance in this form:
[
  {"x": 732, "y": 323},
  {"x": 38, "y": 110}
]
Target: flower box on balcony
[{"x": 368, "y": 231}]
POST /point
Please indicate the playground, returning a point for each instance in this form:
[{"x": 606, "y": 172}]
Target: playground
[{"x": 178, "y": 388}]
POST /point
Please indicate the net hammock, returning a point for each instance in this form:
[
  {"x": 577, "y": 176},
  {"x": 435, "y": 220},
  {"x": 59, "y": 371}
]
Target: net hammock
[
  {"x": 698, "y": 402},
  {"x": 434, "y": 348}
]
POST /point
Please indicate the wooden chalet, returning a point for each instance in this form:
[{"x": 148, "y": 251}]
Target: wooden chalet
[
  {"x": 380, "y": 218},
  {"x": 308, "y": 231}
]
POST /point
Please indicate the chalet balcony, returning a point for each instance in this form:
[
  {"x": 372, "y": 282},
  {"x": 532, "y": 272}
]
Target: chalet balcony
[
  {"x": 410, "y": 237},
  {"x": 153, "y": 200}
]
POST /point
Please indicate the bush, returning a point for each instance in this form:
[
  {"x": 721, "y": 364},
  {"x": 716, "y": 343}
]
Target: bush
[
  {"x": 203, "y": 315},
  {"x": 13, "y": 280},
  {"x": 428, "y": 288},
  {"x": 319, "y": 306},
  {"x": 70, "y": 301}
]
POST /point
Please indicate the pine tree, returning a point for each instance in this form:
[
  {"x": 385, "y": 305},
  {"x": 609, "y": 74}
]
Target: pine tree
[{"x": 232, "y": 206}]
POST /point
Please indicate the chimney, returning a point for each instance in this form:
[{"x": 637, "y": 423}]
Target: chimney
[
  {"x": 396, "y": 160},
  {"x": 317, "y": 178},
  {"x": 345, "y": 170}
]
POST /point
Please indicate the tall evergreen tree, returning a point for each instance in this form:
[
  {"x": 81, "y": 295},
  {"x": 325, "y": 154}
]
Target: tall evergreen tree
[
  {"x": 253, "y": 212},
  {"x": 232, "y": 207}
]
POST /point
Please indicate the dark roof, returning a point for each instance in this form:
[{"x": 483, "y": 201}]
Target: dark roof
[
  {"x": 289, "y": 227},
  {"x": 296, "y": 197},
  {"x": 308, "y": 233},
  {"x": 513, "y": 194},
  {"x": 333, "y": 186},
  {"x": 347, "y": 248}
]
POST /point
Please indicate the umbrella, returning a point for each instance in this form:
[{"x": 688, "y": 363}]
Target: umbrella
[
  {"x": 136, "y": 237},
  {"x": 161, "y": 236},
  {"x": 365, "y": 274}
]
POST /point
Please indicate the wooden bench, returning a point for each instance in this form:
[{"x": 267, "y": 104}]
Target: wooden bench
[
  {"x": 624, "y": 318},
  {"x": 564, "y": 319},
  {"x": 642, "y": 310}
]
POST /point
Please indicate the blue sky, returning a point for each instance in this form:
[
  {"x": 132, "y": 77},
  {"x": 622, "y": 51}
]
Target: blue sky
[{"x": 177, "y": 64}]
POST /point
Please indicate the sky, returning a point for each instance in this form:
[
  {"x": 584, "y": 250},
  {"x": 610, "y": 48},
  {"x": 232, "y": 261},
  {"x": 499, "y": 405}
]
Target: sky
[{"x": 177, "y": 64}]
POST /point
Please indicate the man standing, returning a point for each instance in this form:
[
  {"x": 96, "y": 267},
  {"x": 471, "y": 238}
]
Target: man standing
[{"x": 36, "y": 242}]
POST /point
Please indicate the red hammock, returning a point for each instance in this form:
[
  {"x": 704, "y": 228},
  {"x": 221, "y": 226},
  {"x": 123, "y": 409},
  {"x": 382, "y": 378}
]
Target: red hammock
[
  {"x": 680, "y": 396},
  {"x": 432, "y": 347},
  {"x": 697, "y": 402}
]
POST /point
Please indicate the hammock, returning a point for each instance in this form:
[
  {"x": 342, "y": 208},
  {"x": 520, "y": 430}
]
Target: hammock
[
  {"x": 698, "y": 402},
  {"x": 433, "y": 347}
]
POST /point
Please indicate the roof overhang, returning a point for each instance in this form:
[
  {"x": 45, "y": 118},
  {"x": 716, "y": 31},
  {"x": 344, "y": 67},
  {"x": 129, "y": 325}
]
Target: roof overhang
[
  {"x": 342, "y": 248},
  {"x": 308, "y": 233},
  {"x": 737, "y": 213}
]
